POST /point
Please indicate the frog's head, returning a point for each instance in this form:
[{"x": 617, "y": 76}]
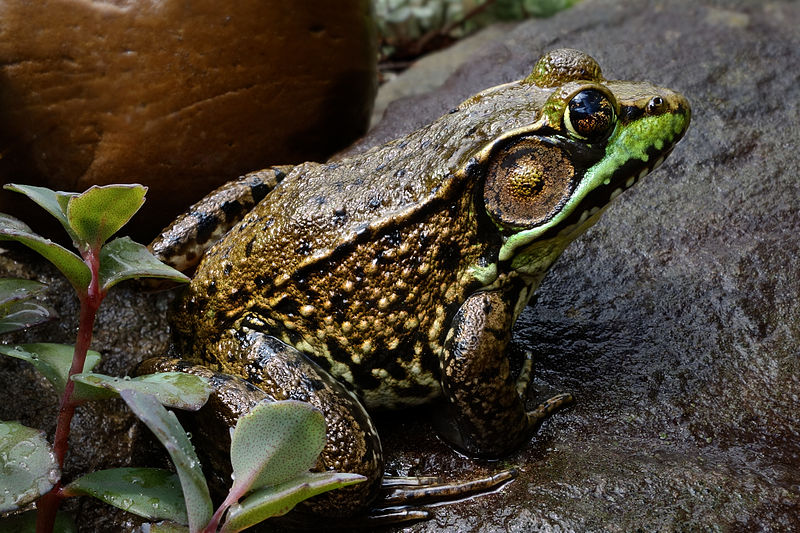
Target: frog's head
[{"x": 549, "y": 181}]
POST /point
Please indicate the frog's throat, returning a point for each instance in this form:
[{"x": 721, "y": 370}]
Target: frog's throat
[{"x": 645, "y": 139}]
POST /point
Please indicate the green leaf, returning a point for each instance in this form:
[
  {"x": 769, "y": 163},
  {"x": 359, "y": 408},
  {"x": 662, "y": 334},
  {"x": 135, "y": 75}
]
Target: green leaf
[
  {"x": 54, "y": 202},
  {"x": 280, "y": 499},
  {"x": 27, "y": 463},
  {"x": 164, "y": 424},
  {"x": 72, "y": 266},
  {"x": 275, "y": 442},
  {"x": 123, "y": 259},
  {"x": 172, "y": 389},
  {"x": 16, "y": 312},
  {"x": 153, "y": 493},
  {"x": 99, "y": 212},
  {"x": 51, "y": 359},
  {"x": 21, "y": 315},
  {"x": 26, "y": 523}
]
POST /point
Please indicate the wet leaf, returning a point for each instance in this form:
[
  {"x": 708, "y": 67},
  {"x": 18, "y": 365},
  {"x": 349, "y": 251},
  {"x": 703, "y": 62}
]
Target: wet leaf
[
  {"x": 72, "y": 266},
  {"x": 54, "y": 202},
  {"x": 280, "y": 499},
  {"x": 275, "y": 442},
  {"x": 164, "y": 527},
  {"x": 99, "y": 212},
  {"x": 123, "y": 259},
  {"x": 21, "y": 315},
  {"x": 51, "y": 359},
  {"x": 164, "y": 424},
  {"x": 153, "y": 493},
  {"x": 172, "y": 389},
  {"x": 16, "y": 310},
  {"x": 28, "y": 467}
]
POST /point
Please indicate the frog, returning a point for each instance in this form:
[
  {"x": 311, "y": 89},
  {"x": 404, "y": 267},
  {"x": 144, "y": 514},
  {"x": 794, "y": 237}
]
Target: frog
[{"x": 392, "y": 279}]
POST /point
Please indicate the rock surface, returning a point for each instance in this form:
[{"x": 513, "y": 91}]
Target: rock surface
[
  {"x": 675, "y": 321},
  {"x": 179, "y": 96}
]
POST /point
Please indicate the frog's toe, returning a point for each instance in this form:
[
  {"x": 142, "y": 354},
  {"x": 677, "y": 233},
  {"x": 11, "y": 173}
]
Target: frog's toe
[
  {"x": 415, "y": 490},
  {"x": 548, "y": 407}
]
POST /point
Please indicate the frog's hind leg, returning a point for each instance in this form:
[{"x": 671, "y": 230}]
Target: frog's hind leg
[
  {"x": 183, "y": 243},
  {"x": 399, "y": 490},
  {"x": 265, "y": 369}
]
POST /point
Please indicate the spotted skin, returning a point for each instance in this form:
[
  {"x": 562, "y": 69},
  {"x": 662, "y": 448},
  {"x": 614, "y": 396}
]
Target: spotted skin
[
  {"x": 368, "y": 305},
  {"x": 489, "y": 413}
]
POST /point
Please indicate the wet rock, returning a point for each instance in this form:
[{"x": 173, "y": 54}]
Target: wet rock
[{"x": 180, "y": 97}]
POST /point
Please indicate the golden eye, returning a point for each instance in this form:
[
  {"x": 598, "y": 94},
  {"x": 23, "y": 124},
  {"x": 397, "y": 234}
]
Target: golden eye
[
  {"x": 527, "y": 182},
  {"x": 590, "y": 116}
]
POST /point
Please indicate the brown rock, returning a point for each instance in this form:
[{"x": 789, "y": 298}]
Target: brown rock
[{"x": 179, "y": 96}]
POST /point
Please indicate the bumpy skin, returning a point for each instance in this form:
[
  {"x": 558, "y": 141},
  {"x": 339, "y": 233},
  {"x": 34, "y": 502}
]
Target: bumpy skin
[
  {"x": 401, "y": 271},
  {"x": 490, "y": 413}
]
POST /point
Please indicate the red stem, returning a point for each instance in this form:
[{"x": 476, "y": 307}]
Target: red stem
[
  {"x": 213, "y": 524},
  {"x": 90, "y": 301}
]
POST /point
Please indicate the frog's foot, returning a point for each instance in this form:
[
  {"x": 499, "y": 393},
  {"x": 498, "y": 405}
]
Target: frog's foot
[
  {"x": 487, "y": 404},
  {"x": 399, "y": 490},
  {"x": 546, "y": 408},
  {"x": 375, "y": 518},
  {"x": 400, "y": 498}
]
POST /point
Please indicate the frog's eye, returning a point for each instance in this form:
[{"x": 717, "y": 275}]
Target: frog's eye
[
  {"x": 527, "y": 182},
  {"x": 590, "y": 116}
]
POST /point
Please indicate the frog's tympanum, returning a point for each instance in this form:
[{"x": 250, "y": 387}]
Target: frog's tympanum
[{"x": 393, "y": 278}]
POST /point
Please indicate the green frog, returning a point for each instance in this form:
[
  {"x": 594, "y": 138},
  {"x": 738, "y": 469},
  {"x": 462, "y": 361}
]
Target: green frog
[{"x": 393, "y": 278}]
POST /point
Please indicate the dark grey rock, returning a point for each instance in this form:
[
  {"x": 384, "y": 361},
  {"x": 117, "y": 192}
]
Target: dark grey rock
[{"x": 675, "y": 321}]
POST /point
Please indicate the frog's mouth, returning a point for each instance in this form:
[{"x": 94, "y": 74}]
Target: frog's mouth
[{"x": 625, "y": 177}]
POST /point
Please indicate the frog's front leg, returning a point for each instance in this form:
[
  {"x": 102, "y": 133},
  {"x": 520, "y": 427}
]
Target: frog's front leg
[
  {"x": 488, "y": 409},
  {"x": 183, "y": 243}
]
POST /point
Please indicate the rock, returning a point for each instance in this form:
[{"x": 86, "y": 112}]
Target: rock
[
  {"x": 675, "y": 321},
  {"x": 180, "y": 97}
]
